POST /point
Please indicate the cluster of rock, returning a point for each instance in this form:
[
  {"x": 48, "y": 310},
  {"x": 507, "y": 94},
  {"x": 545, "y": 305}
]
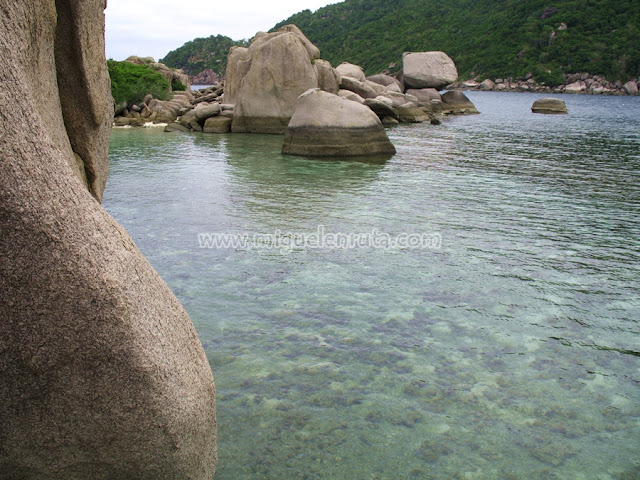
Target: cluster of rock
[
  {"x": 584, "y": 83},
  {"x": 280, "y": 85},
  {"x": 153, "y": 111}
]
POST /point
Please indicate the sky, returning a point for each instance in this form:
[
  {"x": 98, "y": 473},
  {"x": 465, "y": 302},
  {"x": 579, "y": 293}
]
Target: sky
[{"x": 152, "y": 28}]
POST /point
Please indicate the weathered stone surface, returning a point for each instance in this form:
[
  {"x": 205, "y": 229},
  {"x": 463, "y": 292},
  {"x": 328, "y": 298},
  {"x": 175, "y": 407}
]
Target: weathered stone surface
[
  {"x": 102, "y": 375},
  {"x": 399, "y": 98},
  {"x": 217, "y": 125},
  {"x": 328, "y": 77},
  {"x": 356, "y": 86},
  {"x": 84, "y": 89},
  {"x": 347, "y": 69},
  {"x": 202, "y": 112},
  {"x": 280, "y": 72},
  {"x": 312, "y": 50},
  {"x": 349, "y": 95},
  {"x": 329, "y": 125},
  {"x": 238, "y": 64},
  {"x": 549, "y": 105},
  {"x": 425, "y": 95},
  {"x": 386, "y": 80},
  {"x": 412, "y": 114},
  {"x": 375, "y": 86},
  {"x": 457, "y": 102},
  {"x": 381, "y": 108},
  {"x": 428, "y": 70}
]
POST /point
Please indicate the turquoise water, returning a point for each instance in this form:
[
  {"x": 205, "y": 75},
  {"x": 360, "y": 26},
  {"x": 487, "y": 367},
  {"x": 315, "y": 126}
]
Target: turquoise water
[{"x": 511, "y": 352}]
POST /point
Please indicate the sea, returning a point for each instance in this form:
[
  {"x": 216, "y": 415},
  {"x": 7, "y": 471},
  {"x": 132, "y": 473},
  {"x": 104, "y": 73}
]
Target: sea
[{"x": 468, "y": 308}]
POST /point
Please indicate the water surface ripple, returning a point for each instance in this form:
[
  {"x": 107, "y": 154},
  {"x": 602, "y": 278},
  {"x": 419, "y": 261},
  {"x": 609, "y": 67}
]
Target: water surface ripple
[{"x": 513, "y": 352}]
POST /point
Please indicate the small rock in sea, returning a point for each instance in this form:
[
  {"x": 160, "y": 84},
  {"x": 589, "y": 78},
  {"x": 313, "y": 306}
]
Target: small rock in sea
[{"x": 549, "y": 105}]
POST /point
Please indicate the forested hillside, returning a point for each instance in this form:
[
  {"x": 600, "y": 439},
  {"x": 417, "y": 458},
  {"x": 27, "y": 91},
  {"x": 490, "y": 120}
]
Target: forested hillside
[
  {"x": 202, "y": 53},
  {"x": 489, "y": 38}
]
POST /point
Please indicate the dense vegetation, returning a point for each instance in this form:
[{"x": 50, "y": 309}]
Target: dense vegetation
[
  {"x": 488, "y": 38},
  {"x": 202, "y": 53},
  {"x": 131, "y": 82}
]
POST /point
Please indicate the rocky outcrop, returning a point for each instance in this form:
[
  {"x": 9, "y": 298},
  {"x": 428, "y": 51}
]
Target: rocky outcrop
[
  {"x": 328, "y": 125},
  {"x": 280, "y": 71},
  {"x": 575, "y": 83},
  {"x": 549, "y": 105},
  {"x": 102, "y": 374},
  {"x": 428, "y": 70}
]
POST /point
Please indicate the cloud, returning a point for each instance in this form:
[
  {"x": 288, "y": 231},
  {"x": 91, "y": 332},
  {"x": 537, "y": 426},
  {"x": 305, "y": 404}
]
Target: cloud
[{"x": 155, "y": 27}]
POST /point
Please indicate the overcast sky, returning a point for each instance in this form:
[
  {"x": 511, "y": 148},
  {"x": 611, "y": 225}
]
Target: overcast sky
[{"x": 152, "y": 28}]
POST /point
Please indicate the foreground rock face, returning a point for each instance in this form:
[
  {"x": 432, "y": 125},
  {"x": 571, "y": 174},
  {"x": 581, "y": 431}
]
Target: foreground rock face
[
  {"x": 428, "y": 70},
  {"x": 328, "y": 125},
  {"x": 102, "y": 375},
  {"x": 280, "y": 71},
  {"x": 549, "y": 105}
]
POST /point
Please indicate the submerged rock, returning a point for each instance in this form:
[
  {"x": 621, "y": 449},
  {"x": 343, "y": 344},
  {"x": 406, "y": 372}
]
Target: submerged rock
[
  {"x": 549, "y": 105},
  {"x": 328, "y": 125}
]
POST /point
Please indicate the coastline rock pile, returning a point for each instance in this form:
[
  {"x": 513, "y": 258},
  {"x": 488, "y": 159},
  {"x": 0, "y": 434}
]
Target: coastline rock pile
[{"x": 583, "y": 83}]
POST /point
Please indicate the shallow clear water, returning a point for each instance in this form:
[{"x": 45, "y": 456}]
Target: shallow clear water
[{"x": 512, "y": 352}]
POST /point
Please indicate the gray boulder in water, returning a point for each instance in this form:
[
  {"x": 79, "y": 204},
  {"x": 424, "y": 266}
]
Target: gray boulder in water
[
  {"x": 329, "y": 125},
  {"x": 549, "y": 105},
  {"x": 102, "y": 374}
]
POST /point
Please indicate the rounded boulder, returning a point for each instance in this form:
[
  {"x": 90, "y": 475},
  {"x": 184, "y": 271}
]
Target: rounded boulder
[
  {"x": 327, "y": 125},
  {"x": 549, "y": 105}
]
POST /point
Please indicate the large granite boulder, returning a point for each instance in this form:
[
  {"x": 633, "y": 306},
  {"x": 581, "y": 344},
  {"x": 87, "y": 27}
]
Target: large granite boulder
[
  {"x": 428, "y": 70},
  {"x": 328, "y": 125},
  {"x": 102, "y": 375},
  {"x": 280, "y": 71},
  {"x": 549, "y": 105}
]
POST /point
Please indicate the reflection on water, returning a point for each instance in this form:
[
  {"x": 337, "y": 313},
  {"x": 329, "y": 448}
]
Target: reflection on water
[{"x": 512, "y": 352}]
